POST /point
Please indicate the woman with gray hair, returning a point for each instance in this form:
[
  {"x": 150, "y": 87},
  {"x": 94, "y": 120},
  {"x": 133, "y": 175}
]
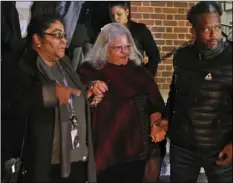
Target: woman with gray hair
[
  {"x": 130, "y": 111},
  {"x": 97, "y": 56}
]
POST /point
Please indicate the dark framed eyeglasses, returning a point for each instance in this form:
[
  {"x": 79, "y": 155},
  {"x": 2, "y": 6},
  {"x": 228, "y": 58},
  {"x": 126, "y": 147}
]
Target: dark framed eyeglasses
[{"x": 57, "y": 35}]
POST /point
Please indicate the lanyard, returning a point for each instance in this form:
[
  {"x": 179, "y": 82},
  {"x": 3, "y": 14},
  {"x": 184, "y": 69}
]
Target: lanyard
[
  {"x": 73, "y": 117},
  {"x": 75, "y": 128},
  {"x": 70, "y": 99}
]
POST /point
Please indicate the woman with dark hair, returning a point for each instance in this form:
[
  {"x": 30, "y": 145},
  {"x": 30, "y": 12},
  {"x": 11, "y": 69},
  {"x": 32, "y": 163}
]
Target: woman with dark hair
[
  {"x": 59, "y": 141},
  {"x": 120, "y": 13}
]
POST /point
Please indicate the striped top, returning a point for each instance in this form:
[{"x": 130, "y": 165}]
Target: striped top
[{"x": 148, "y": 146}]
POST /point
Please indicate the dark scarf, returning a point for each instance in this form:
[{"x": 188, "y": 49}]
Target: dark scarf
[
  {"x": 116, "y": 124},
  {"x": 28, "y": 65},
  {"x": 65, "y": 130},
  {"x": 208, "y": 54}
]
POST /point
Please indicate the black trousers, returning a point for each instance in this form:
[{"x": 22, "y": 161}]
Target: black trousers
[
  {"x": 78, "y": 173},
  {"x": 186, "y": 164},
  {"x": 124, "y": 172}
]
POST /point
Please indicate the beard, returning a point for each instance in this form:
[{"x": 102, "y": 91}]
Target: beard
[
  {"x": 212, "y": 44},
  {"x": 210, "y": 50},
  {"x": 209, "y": 45}
]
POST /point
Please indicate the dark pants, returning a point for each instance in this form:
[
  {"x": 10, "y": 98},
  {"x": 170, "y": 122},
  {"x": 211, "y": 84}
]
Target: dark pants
[
  {"x": 124, "y": 172},
  {"x": 78, "y": 173},
  {"x": 186, "y": 164}
]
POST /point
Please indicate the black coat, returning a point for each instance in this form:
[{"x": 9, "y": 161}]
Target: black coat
[
  {"x": 11, "y": 49},
  {"x": 199, "y": 106},
  {"x": 11, "y": 39},
  {"x": 145, "y": 43},
  {"x": 25, "y": 99}
]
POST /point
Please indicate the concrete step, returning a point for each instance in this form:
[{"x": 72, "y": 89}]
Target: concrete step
[{"x": 166, "y": 179}]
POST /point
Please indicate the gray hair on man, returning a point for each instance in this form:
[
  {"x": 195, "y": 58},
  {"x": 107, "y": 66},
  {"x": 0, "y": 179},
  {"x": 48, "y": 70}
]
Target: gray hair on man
[{"x": 97, "y": 55}]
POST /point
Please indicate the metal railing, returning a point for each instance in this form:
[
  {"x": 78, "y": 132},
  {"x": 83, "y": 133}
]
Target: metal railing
[
  {"x": 226, "y": 5},
  {"x": 226, "y": 32},
  {"x": 226, "y": 29},
  {"x": 176, "y": 48}
]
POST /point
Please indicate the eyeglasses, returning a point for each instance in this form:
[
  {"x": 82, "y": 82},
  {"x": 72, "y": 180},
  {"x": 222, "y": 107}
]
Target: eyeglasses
[
  {"x": 209, "y": 29},
  {"x": 57, "y": 35},
  {"x": 121, "y": 48}
]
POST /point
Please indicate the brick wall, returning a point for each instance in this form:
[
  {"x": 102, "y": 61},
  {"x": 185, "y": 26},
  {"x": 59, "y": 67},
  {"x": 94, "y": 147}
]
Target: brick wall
[{"x": 167, "y": 23}]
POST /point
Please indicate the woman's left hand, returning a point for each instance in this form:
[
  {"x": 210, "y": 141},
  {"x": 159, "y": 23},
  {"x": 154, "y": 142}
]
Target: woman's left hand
[{"x": 97, "y": 89}]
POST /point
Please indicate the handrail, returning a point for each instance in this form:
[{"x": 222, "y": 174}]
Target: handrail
[
  {"x": 224, "y": 34},
  {"x": 226, "y": 30},
  {"x": 192, "y": 41},
  {"x": 228, "y": 26},
  {"x": 174, "y": 49}
]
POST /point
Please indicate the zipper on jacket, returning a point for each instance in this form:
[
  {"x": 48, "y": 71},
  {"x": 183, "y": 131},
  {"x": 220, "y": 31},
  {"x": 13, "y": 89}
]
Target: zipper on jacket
[
  {"x": 196, "y": 100},
  {"x": 200, "y": 58}
]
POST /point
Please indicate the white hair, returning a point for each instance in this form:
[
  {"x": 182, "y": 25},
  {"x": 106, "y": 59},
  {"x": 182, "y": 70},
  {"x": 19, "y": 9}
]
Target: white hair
[{"x": 97, "y": 55}]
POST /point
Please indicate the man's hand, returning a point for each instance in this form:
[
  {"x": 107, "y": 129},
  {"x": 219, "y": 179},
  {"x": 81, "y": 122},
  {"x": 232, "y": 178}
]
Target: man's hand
[
  {"x": 225, "y": 156},
  {"x": 164, "y": 124},
  {"x": 158, "y": 127},
  {"x": 157, "y": 134}
]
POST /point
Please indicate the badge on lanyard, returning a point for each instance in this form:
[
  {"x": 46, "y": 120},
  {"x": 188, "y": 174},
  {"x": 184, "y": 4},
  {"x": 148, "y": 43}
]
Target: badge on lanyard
[
  {"x": 74, "y": 131},
  {"x": 73, "y": 118}
]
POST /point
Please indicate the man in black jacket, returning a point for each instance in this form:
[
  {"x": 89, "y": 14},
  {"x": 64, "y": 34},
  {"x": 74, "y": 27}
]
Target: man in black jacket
[
  {"x": 11, "y": 50},
  {"x": 199, "y": 106}
]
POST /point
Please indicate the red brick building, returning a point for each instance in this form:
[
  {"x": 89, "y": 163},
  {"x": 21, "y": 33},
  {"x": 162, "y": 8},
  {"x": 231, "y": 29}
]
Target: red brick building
[{"x": 167, "y": 23}]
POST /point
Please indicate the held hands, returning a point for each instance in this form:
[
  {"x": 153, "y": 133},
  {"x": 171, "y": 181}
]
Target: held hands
[
  {"x": 158, "y": 127},
  {"x": 225, "y": 156},
  {"x": 97, "y": 90}
]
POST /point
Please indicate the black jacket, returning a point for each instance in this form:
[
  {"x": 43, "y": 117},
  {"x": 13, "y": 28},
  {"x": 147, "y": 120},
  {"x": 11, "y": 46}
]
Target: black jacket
[
  {"x": 25, "y": 98},
  {"x": 11, "y": 39},
  {"x": 199, "y": 106},
  {"x": 145, "y": 42}
]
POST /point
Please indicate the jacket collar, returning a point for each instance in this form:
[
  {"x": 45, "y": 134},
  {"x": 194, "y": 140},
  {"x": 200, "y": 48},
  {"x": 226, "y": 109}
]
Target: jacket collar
[
  {"x": 130, "y": 23},
  {"x": 28, "y": 65},
  {"x": 28, "y": 61}
]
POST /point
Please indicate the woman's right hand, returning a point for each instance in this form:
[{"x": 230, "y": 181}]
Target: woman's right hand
[{"x": 63, "y": 93}]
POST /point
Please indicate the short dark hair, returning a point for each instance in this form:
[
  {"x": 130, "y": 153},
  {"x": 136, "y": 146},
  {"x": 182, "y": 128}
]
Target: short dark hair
[
  {"x": 124, "y": 4},
  {"x": 203, "y": 7},
  {"x": 39, "y": 24}
]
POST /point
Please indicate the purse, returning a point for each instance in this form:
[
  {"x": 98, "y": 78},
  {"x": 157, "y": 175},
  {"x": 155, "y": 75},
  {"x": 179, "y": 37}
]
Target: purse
[{"x": 13, "y": 168}]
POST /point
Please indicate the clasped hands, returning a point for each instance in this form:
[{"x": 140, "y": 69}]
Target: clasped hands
[
  {"x": 96, "y": 90},
  {"x": 158, "y": 127},
  {"x": 225, "y": 156}
]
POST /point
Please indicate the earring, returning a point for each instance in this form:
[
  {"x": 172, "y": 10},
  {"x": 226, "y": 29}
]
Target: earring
[{"x": 38, "y": 46}]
